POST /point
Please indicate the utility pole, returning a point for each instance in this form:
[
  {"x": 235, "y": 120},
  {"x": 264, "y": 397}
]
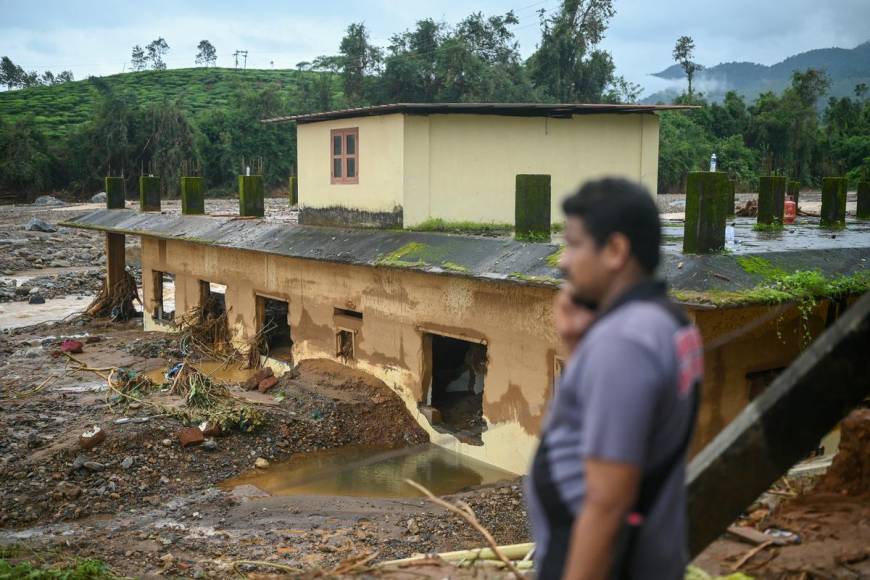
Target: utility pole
[{"x": 244, "y": 53}]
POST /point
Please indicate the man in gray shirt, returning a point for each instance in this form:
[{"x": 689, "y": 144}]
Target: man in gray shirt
[{"x": 606, "y": 490}]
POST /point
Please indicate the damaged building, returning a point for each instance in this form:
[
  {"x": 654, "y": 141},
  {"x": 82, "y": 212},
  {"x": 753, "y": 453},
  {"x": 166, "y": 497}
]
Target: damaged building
[{"x": 460, "y": 326}]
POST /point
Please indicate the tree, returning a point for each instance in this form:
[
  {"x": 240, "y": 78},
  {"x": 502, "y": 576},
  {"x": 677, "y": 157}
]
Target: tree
[
  {"x": 155, "y": 51},
  {"x": 207, "y": 54},
  {"x": 11, "y": 74},
  {"x": 64, "y": 77},
  {"x": 137, "y": 59},
  {"x": 683, "y": 54},
  {"x": 357, "y": 59},
  {"x": 568, "y": 66}
]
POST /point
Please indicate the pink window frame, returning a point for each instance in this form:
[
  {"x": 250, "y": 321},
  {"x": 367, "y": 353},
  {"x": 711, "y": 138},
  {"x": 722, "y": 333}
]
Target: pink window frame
[{"x": 343, "y": 155}]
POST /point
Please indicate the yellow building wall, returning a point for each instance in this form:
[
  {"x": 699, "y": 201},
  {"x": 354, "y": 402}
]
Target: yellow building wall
[
  {"x": 381, "y": 152},
  {"x": 470, "y": 162}
]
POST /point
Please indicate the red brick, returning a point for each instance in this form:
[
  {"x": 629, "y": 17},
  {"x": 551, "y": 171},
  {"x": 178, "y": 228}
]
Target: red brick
[
  {"x": 258, "y": 377},
  {"x": 190, "y": 436},
  {"x": 91, "y": 442},
  {"x": 267, "y": 384}
]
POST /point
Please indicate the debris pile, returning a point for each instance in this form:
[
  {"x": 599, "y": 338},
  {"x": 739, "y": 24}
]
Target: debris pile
[
  {"x": 116, "y": 302},
  {"x": 850, "y": 472}
]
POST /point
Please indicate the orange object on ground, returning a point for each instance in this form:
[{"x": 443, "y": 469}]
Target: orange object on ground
[{"x": 790, "y": 211}]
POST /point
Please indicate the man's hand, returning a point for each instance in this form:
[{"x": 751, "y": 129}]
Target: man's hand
[{"x": 571, "y": 320}]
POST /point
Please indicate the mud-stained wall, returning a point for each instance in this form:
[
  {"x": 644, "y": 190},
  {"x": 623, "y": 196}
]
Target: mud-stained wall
[
  {"x": 400, "y": 306},
  {"x": 740, "y": 342}
]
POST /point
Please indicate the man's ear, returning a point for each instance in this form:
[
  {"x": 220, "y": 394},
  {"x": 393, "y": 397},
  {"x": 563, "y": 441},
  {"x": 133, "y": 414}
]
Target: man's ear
[{"x": 616, "y": 252}]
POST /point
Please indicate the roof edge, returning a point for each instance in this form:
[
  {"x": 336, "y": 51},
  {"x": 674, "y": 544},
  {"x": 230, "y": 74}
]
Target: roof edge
[{"x": 563, "y": 110}]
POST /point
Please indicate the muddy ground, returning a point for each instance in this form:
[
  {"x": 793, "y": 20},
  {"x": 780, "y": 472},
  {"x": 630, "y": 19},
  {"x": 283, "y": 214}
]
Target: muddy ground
[{"x": 145, "y": 505}]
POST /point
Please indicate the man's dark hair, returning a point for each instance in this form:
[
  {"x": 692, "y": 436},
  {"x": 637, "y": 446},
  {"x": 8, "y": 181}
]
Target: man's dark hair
[{"x": 612, "y": 205}]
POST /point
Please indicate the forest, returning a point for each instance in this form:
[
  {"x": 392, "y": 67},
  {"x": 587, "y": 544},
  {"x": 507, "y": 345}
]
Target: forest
[{"x": 206, "y": 121}]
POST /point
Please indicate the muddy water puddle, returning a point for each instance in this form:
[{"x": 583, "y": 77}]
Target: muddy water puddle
[
  {"x": 372, "y": 472},
  {"x": 215, "y": 370}
]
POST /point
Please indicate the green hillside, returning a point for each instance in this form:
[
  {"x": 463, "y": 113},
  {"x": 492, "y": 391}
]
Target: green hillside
[{"x": 59, "y": 108}]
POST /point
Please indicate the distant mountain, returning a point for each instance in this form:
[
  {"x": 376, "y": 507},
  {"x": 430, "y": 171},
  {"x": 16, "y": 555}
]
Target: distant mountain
[{"x": 845, "y": 67}]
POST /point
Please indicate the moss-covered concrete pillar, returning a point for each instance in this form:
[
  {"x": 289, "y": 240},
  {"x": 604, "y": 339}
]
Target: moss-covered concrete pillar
[
  {"x": 771, "y": 199},
  {"x": 293, "y": 190},
  {"x": 863, "y": 210},
  {"x": 731, "y": 210},
  {"x": 794, "y": 191},
  {"x": 707, "y": 196},
  {"x": 833, "y": 214},
  {"x": 115, "y": 198},
  {"x": 149, "y": 193},
  {"x": 532, "y": 209},
  {"x": 251, "y": 195},
  {"x": 192, "y": 196}
]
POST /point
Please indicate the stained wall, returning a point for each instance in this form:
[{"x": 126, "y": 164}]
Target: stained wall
[{"x": 400, "y": 306}]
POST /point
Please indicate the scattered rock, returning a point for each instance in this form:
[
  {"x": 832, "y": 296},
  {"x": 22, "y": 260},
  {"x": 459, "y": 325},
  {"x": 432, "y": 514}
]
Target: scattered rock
[
  {"x": 69, "y": 490},
  {"x": 267, "y": 383},
  {"x": 94, "y": 466},
  {"x": 190, "y": 436},
  {"x": 38, "y": 225},
  {"x": 254, "y": 382},
  {"x": 127, "y": 463},
  {"x": 247, "y": 490},
  {"x": 93, "y": 339},
  {"x": 92, "y": 438},
  {"x": 99, "y": 197},
  {"x": 152, "y": 499},
  {"x": 166, "y": 442},
  {"x": 210, "y": 445},
  {"x": 261, "y": 463},
  {"x": 36, "y": 299},
  {"x": 47, "y": 200}
]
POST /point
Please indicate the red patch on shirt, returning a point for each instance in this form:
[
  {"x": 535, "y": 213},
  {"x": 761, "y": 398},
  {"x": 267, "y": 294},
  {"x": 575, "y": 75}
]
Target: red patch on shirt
[{"x": 690, "y": 358}]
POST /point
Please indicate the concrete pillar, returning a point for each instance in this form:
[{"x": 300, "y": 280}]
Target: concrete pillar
[
  {"x": 833, "y": 214},
  {"x": 149, "y": 193},
  {"x": 863, "y": 211},
  {"x": 116, "y": 262},
  {"x": 532, "y": 208},
  {"x": 731, "y": 210},
  {"x": 293, "y": 190},
  {"x": 771, "y": 199},
  {"x": 251, "y": 195},
  {"x": 794, "y": 190},
  {"x": 115, "y": 193},
  {"x": 707, "y": 197},
  {"x": 192, "y": 196}
]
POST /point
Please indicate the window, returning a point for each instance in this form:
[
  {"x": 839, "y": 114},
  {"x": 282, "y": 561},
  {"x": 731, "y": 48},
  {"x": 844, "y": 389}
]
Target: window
[{"x": 344, "y": 152}]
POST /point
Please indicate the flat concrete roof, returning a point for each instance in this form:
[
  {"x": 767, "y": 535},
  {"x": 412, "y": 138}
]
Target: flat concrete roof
[
  {"x": 501, "y": 259},
  {"x": 553, "y": 110}
]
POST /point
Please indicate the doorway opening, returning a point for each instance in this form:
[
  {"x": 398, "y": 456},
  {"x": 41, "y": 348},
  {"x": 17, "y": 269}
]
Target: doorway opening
[
  {"x": 212, "y": 299},
  {"x": 164, "y": 296},
  {"x": 274, "y": 329},
  {"x": 458, "y": 369}
]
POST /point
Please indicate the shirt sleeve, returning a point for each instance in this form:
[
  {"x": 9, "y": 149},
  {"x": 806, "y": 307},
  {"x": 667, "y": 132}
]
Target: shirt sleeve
[{"x": 620, "y": 386}]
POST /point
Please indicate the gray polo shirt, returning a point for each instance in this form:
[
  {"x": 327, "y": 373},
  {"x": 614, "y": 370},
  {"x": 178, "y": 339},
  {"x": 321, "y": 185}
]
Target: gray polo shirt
[{"x": 624, "y": 397}]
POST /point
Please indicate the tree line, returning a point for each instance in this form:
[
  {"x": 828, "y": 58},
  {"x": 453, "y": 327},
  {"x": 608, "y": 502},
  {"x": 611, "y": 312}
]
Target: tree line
[
  {"x": 13, "y": 76},
  {"x": 474, "y": 60}
]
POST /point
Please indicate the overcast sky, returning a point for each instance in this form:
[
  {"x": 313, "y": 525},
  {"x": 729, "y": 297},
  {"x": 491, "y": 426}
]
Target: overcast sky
[{"x": 93, "y": 37}]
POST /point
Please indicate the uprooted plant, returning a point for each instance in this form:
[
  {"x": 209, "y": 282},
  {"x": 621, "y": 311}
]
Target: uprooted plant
[
  {"x": 204, "y": 399},
  {"x": 116, "y": 302}
]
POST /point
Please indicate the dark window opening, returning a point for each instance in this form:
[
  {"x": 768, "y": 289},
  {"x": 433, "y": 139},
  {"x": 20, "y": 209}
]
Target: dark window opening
[
  {"x": 213, "y": 302},
  {"x": 458, "y": 368},
  {"x": 275, "y": 338},
  {"x": 344, "y": 345},
  {"x": 558, "y": 370},
  {"x": 758, "y": 381},
  {"x": 164, "y": 296}
]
